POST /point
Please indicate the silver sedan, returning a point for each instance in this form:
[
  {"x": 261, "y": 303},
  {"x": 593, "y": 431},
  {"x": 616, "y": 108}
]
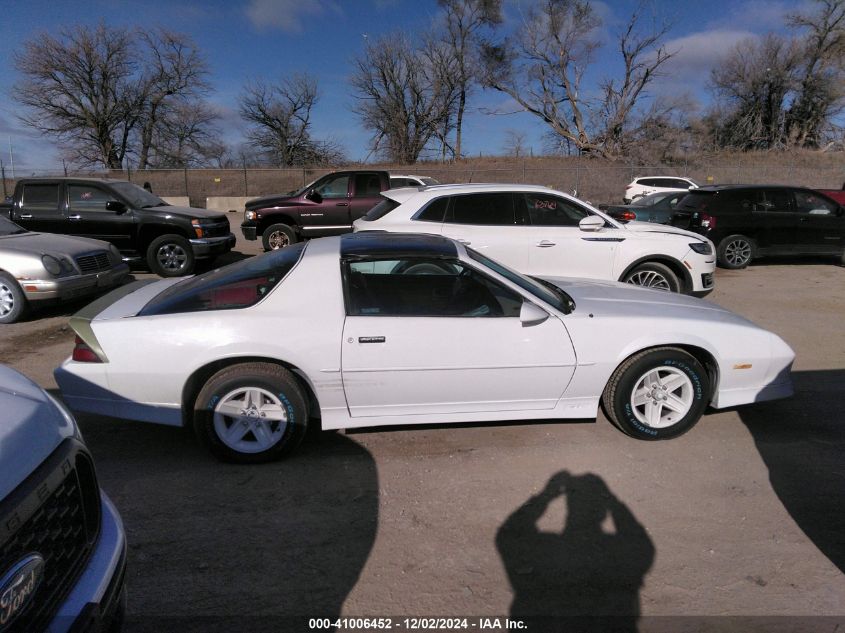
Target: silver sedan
[{"x": 40, "y": 267}]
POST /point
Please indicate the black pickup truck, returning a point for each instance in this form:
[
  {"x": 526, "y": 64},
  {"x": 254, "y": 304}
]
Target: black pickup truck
[
  {"x": 328, "y": 206},
  {"x": 139, "y": 224}
]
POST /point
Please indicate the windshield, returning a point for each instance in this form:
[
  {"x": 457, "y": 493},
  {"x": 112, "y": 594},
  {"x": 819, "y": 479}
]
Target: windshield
[
  {"x": 545, "y": 291},
  {"x": 650, "y": 200},
  {"x": 138, "y": 197},
  {"x": 7, "y": 227}
]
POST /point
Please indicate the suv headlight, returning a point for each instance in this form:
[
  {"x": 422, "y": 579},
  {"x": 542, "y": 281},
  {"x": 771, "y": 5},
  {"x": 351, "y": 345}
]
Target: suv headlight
[
  {"x": 52, "y": 265},
  {"x": 250, "y": 215},
  {"x": 702, "y": 248}
]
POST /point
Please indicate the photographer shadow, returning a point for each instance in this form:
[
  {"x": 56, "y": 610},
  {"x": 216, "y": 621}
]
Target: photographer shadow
[{"x": 585, "y": 576}]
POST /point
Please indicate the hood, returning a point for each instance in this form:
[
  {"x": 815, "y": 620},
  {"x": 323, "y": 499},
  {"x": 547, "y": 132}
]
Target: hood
[
  {"x": 188, "y": 212},
  {"x": 281, "y": 200},
  {"x": 31, "y": 429},
  {"x": 651, "y": 227},
  {"x": 615, "y": 298},
  {"x": 51, "y": 243}
]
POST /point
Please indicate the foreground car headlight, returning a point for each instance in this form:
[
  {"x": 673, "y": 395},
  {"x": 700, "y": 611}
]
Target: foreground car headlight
[
  {"x": 702, "y": 248},
  {"x": 52, "y": 265},
  {"x": 250, "y": 215}
]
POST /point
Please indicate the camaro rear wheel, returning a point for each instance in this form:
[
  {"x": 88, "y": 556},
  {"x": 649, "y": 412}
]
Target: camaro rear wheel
[
  {"x": 734, "y": 252},
  {"x": 170, "y": 256},
  {"x": 655, "y": 276},
  {"x": 278, "y": 236},
  {"x": 250, "y": 413},
  {"x": 13, "y": 304},
  {"x": 657, "y": 394}
]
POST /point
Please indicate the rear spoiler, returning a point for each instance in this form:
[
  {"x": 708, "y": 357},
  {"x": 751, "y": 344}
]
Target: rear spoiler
[{"x": 81, "y": 321}]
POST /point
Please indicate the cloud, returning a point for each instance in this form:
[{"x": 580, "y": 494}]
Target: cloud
[
  {"x": 699, "y": 52},
  {"x": 287, "y": 15},
  {"x": 764, "y": 15}
]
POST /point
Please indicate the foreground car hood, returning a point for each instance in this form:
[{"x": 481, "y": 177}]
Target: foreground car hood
[
  {"x": 42, "y": 243},
  {"x": 651, "y": 227},
  {"x": 32, "y": 428}
]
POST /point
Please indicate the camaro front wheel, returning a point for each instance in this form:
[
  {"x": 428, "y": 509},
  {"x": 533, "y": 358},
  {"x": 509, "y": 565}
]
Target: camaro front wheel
[
  {"x": 250, "y": 413},
  {"x": 657, "y": 394}
]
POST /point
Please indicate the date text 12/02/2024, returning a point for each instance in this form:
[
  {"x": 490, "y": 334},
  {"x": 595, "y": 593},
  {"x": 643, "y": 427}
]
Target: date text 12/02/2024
[{"x": 416, "y": 624}]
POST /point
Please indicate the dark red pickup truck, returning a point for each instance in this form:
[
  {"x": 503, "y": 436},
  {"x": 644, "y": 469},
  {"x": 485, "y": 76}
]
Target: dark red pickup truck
[
  {"x": 328, "y": 206},
  {"x": 836, "y": 194}
]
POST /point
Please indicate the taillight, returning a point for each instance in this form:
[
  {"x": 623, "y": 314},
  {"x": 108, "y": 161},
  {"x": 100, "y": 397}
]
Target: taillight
[
  {"x": 83, "y": 353},
  {"x": 627, "y": 215},
  {"x": 707, "y": 221},
  {"x": 629, "y": 187}
]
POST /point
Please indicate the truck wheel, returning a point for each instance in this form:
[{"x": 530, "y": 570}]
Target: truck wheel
[
  {"x": 251, "y": 413},
  {"x": 170, "y": 256},
  {"x": 13, "y": 304},
  {"x": 278, "y": 236}
]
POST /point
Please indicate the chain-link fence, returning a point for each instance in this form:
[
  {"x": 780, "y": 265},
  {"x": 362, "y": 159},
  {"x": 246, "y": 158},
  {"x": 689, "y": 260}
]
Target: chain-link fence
[{"x": 591, "y": 180}]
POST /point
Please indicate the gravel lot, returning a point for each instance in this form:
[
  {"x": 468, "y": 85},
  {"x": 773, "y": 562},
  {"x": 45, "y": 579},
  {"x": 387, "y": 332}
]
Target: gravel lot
[{"x": 743, "y": 516}]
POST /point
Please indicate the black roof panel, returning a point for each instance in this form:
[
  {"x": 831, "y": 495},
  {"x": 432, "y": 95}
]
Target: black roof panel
[{"x": 384, "y": 245}]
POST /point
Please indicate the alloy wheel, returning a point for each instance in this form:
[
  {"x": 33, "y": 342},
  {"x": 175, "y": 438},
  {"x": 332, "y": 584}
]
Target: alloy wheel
[
  {"x": 650, "y": 279},
  {"x": 250, "y": 419},
  {"x": 171, "y": 256},
  {"x": 662, "y": 396},
  {"x": 738, "y": 252},
  {"x": 7, "y": 300},
  {"x": 278, "y": 240}
]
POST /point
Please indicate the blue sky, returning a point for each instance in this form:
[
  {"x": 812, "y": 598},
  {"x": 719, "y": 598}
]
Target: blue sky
[{"x": 269, "y": 39}]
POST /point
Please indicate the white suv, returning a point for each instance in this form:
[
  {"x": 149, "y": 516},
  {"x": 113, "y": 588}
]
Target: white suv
[
  {"x": 543, "y": 232},
  {"x": 644, "y": 185}
]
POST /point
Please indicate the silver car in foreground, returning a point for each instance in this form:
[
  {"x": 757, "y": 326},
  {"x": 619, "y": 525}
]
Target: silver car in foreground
[{"x": 40, "y": 267}]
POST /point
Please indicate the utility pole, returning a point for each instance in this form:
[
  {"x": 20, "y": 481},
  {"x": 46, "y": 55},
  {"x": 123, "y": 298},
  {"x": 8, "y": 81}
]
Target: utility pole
[{"x": 11, "y": 159}]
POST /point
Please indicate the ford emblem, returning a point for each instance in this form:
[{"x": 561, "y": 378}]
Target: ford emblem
[{"x": 17, "y": 587}]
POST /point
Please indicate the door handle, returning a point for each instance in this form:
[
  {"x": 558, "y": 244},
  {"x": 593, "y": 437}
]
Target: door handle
[
  {"x": 74, "y": 217},
  {"x": 342, "y": 204},
  {"x": 25, "y": 216},
  {"x": 371, "y": 339},
  {"x": 464, "y": 242},
  {"x": 545, "y": 243}
]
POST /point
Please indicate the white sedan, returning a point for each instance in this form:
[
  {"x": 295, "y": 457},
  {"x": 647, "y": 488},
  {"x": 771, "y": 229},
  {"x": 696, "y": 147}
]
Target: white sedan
[{"x": 374, "y": 329}]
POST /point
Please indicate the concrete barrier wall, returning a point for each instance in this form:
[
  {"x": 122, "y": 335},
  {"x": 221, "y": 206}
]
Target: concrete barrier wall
[
  {"x": 177, "y": 201},
  {"x": 227, "y": 203}
]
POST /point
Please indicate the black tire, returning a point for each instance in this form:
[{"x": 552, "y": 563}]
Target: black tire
[
  {"x": 276, "y": 388},
  {"x": 669, "y": 363},
  {"x": 278, "y": 236},
  {"x": 170, "y": 256},
  {"x": 13, "y": 303},
  {"x": 735, "y": 252},
  {"x": 655, "y": 276}
]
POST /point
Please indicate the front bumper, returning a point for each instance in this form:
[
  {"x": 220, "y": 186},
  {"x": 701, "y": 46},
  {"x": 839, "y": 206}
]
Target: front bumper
[
  {"x": 212, "y": 246},
  {"x": 72, "y": 287},
  {"x": 250, "y": 231},
  {"x": 701, "y": 270},
  {"x": 97, "y": 601}
]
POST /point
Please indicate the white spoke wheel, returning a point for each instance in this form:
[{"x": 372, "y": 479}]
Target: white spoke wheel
[
  {"x": 657, "y": 394},
  {"x": 252, "y": 412},
  {"x": 170, "y": 256},
  {"x": 13, "y": 303},
  {"x": 735, "y": 252},
  {"x": 655, "y": 276},
  {"x": 278, "y": 236}
]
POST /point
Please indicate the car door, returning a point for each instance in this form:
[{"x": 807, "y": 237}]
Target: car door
[
  {"x": 821, "y": 223},
  {"x": 778, "y": 221},
  {"x": 364, "y": 194},
  {"x": 488, "y": 223},
  {"x": 42, "y": 208},
  {"x": 88, "y": 216},
  {"x": 327, "y": 212},
  {"x": 434, "y": 337},
  {"x": 557, "y": 246}
]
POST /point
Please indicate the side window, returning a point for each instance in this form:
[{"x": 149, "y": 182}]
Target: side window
[
  {"x": 334, "y": 188},
  {"x": 435, "y": 211},
  {"x": 490, "y": 209},
  {"x": 778, "y": 200},
  {"x": 813, "y": 204},
  {"x": 41, "y": 197},
  {"x": 425, "y": 287},
  {"x": 367, "y": 185},
  {"x": 648, "y": 182},
  {"x": 396, "y": 183},
  {"x": 680, "y": 184},
  {"x": 87, "y": 198},
  {"x": 545, "y": 210}
]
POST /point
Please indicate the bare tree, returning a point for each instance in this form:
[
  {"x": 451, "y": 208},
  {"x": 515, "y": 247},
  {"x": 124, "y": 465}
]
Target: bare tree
[
  {"x": 280, "y": 115},
  {"x": 402, "y": 96},
  {"x": 174, "y": 78},
  {"x": 464, "y": 20},
  {"x": 752, "y": 85},
  {"x": 543, "y": 68},
  {"x": 185, "y": 137},
  {"x": 515, "y": 145},
  {"x": 819, "y": 89},
  {"x": 80, "y": 88}
]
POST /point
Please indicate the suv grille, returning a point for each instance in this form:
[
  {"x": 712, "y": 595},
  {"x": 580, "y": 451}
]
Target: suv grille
[
  {"x": 95, "y": 262},
  {"x": 55, "y": 513},
  {"x": 218, "y": 229}
]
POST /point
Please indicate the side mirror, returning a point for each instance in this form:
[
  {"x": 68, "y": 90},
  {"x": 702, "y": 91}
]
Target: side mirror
[
  {"x": 531, "y": 314},
  {"x": 314, "y": 196},
  {"x": 116, "y": 206},
  {"x": 591, "y": 223}
]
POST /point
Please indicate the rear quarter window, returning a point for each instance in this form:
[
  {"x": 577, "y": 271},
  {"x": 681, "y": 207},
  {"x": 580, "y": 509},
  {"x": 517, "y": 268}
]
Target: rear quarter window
[
  {"x": 239, "y": 285},
  {"x": 380, "y": 210}
]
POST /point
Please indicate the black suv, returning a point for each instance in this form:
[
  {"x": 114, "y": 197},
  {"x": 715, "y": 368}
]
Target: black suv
[
  {"x": 750, "y": 221},
  {"x": 138, "y": 223}
]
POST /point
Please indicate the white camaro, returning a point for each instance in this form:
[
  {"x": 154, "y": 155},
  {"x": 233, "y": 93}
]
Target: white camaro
[
  {"x": 373, "y": 329},
  {"x": 543, "y": 232}
]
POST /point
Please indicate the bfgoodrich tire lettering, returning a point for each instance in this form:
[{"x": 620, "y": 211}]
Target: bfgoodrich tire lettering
[
  {"x": 657, "y": 394},
  {"x": 251, "y": 413}
]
